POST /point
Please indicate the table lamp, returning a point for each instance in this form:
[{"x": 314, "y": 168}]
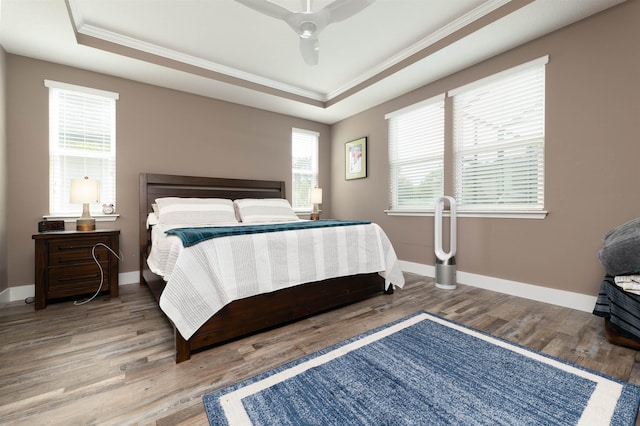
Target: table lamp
[
  {"x": 316, "y": 198},
  {"x": 85, "y": 191}
]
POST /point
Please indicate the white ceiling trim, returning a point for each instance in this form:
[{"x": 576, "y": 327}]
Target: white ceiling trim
[
  {"x": 436, "y": 36},
  {"x": 143, "y": 46},
  {"x": 45, "y": 30},
  {"x": 84, "y": 28}
]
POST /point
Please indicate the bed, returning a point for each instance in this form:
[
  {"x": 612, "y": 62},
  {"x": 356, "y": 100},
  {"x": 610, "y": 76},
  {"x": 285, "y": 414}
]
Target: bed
[{"x": 258, "y": 312}]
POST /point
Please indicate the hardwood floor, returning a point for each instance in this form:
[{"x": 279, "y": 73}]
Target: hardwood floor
[{"x": 111, "y": 361}]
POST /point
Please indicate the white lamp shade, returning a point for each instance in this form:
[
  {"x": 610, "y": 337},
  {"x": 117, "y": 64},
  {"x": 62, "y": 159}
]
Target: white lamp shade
[
  {"x": 316, "y": 195},
  {"x": 85, "y": 191}
]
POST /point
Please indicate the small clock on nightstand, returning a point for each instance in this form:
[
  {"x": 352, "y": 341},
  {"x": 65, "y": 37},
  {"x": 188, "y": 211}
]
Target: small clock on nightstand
[{"x": 108, "y": 209}]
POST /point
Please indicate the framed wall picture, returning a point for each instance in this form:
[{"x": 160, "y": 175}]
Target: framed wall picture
[{"x": 355, "y": 160}]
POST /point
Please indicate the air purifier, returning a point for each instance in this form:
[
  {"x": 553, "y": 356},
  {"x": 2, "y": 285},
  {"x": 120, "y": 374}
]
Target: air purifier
[{"x": 445, "y": 261}]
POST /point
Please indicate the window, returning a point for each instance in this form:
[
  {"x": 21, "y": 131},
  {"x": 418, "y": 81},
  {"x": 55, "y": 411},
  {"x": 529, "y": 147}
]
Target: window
[
  {"x": 499, "y": 141},
  {"x": 416, "y": 155},
  {"x": 304, "y": 165},
  {"x": 82, "y": 142},
  {"x": 494, "y": 155}
]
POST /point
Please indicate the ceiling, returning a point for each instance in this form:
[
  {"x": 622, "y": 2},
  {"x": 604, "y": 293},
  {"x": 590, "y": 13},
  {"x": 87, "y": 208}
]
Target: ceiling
[{"x": 225, "y": 50}]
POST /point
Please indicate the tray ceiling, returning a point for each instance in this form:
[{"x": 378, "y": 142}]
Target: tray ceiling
[{"x": 225, "y": 50}]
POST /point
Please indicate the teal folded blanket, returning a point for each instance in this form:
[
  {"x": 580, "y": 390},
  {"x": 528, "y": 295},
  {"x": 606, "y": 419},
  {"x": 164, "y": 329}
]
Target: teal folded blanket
[{"x": 191, "y": 236}]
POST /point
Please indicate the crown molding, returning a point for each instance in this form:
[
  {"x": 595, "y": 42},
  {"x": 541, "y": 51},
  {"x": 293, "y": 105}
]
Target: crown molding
[
  {"x": 436, "y": 36},
  {"x": 153, "y": 49},
  {"x": 84, "y": 28}
]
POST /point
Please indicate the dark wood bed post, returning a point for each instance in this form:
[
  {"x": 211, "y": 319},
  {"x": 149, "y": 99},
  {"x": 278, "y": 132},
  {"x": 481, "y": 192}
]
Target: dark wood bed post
[
  {"x": 143, "y": 232},
  {"x": 183, "y": 350}
]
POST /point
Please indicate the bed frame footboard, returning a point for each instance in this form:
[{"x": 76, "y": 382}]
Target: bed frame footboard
[{"x": 258, "y": 313}]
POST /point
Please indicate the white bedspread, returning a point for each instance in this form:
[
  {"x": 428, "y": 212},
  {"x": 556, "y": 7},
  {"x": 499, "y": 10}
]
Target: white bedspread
[{"x": 203, "y": 278}]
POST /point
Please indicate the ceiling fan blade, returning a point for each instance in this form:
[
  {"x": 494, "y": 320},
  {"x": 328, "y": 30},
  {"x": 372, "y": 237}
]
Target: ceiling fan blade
[
  {"x": 340, "y": 10},
  {"x": 267, "y": 8},
  {"x": 309, "y": 47},
  {"x": 309, "y": 24}
]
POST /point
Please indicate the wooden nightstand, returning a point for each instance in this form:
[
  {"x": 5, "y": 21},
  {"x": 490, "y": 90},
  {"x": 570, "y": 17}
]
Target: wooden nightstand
[{"x": 65, "y": 267}]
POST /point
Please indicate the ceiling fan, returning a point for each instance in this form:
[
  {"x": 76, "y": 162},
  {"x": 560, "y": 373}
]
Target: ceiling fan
[{"x": 308, "y": 24}]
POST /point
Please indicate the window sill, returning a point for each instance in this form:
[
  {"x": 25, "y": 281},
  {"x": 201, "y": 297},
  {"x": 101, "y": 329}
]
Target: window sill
[
  {"x": 524, "y": 214},
  {"x": 73, "y": 218}
]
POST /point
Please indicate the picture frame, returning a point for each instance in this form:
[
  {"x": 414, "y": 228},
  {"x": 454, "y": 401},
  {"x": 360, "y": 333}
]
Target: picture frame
[{"x": 355, "y": 159}]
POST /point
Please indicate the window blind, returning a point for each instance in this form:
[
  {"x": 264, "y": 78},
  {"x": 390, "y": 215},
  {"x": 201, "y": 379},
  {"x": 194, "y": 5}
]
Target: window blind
[
  {"x": 416, "y": 155},
  {"x": 81, "y": 143},
  {"x": 499, "y": 141},
  {"x": 304, "y": 167}
]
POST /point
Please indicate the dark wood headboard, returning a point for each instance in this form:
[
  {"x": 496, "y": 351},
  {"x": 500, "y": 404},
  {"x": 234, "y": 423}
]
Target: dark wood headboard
[{"x": 154, "y": 186}]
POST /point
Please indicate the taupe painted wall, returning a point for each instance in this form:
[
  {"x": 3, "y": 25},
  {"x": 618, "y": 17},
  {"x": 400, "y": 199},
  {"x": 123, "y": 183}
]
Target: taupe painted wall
[
  {"x": 158, "y": 130},
  {"x": 3, "y": 174},
  {"x": 593, "y": 127},
  {"x": 592, "y": 151}
]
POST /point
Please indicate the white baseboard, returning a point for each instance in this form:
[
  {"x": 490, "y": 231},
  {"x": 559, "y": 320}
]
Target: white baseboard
[
  {"x": 418, "y": 268},
  {"x": 13, "y": 294},
  {"x": 567, "y": 299},
  {"x": 126, "y": 278}
]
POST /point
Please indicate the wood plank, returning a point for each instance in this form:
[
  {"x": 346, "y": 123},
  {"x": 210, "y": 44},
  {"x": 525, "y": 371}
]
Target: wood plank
[{"x": 111, "y": 361}]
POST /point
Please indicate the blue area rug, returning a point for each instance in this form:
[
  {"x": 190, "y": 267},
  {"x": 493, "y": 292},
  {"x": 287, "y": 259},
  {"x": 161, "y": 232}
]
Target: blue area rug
[{"x": 426, "y": 370}]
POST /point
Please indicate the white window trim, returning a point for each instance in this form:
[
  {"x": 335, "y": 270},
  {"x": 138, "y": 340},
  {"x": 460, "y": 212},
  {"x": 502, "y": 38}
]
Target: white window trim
[
  {"x": 400, "y": 112},
  {"x": 83, "y": 89},
  {"x": 498, "y": 214},
  {"x": 498, "y": 76},
  {"x": 52, "y": 84},
  {"x": 306, "y": 212},
  {"x": 479, "y": 210},
  {"x": 73, "y": 218},
  {"x": 412, "y": 107},
  {"x": 495, "y": 214}
]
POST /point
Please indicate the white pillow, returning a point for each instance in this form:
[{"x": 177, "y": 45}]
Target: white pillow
[
  {"x": 152, "y": 219},
  {"x": 195, "y": 211},
  {"x": 255, "y": 210}
]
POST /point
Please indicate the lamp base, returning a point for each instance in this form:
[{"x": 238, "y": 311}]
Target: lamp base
[{"x": 86, "y": 224}]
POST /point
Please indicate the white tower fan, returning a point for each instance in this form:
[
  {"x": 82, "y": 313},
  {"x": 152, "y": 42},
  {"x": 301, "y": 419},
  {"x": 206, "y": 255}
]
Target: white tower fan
[{"x": 445, "y": 262}]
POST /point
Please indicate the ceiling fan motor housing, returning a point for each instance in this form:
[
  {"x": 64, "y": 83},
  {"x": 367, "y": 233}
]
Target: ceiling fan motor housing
[{"x": 308, "y": 24}]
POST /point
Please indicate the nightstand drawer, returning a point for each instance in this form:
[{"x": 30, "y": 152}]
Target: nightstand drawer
[
  {"x": 76, "y": 251},
  {"x": 68, "y": 281}
]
